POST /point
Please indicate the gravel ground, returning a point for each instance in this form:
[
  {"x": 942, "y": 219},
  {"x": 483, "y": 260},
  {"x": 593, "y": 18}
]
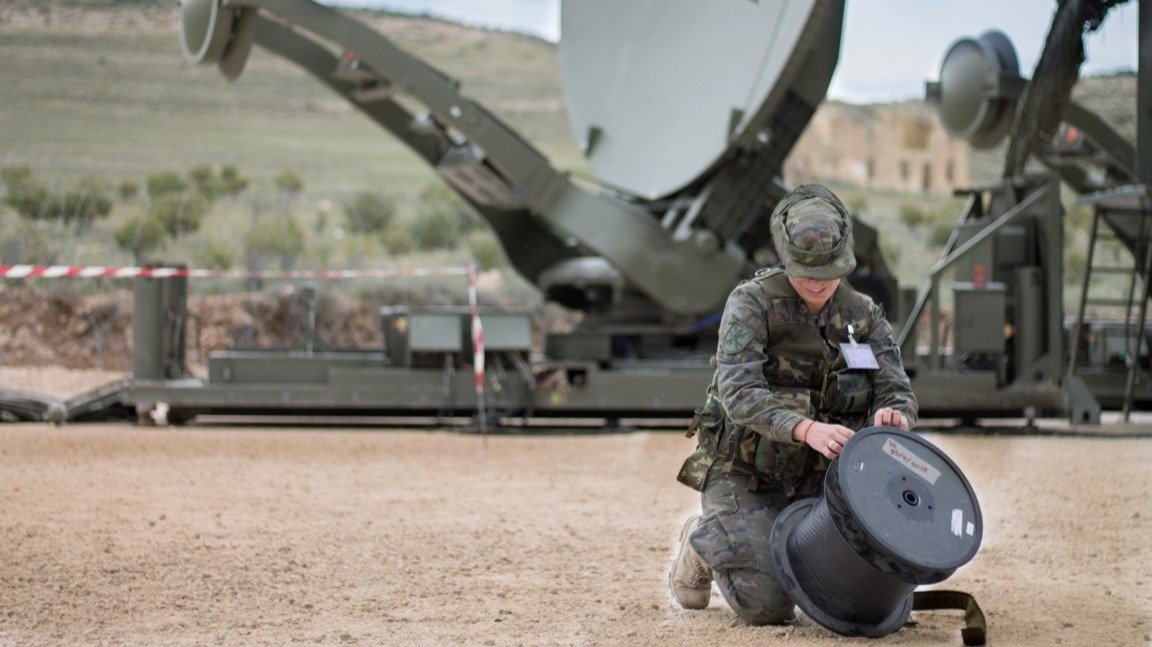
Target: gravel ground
[{"x": 119, "y": 535}]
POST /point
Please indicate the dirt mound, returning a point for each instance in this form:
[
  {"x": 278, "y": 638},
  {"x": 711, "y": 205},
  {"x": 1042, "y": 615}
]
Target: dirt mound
[
  {"x": 39, "y": 328},
  {"x": 77, "y": 331},
  {"x": 280, "y": 319}
]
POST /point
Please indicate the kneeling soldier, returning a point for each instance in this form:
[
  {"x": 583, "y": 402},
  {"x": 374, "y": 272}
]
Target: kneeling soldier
[{"x": 803, "y": 360}]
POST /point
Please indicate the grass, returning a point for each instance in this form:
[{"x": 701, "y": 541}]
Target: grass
[{"x": 124, "y": 103}]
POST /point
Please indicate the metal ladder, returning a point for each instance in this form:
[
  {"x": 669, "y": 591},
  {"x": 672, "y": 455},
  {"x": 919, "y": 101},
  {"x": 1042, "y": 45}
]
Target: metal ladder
[{"x": 1140, "y": 249}]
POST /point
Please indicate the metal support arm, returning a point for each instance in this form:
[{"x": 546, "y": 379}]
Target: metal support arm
[
  {"x": 952, "y": 256},
  {"x": 987, "y": 232},
  {"x": 682, "y": 277}
]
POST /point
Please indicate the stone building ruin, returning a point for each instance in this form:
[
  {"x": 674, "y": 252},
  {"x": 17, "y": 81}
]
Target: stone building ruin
[{"x": 899, "y": 147}]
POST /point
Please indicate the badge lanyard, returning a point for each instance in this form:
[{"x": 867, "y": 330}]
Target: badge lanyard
[{"x": 858, "y": 356}]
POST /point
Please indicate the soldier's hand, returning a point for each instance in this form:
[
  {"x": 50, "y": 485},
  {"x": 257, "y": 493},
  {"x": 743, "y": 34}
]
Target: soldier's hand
[
  {"x": 827, "y": 439},
  {"x": 887, "y": 417}
]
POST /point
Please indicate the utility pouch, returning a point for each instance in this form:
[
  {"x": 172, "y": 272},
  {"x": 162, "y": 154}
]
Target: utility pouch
[
  {"x": 779, "y": 462},
  {"x": 847, "y": 393},
  {"x": 694, "y": 471},
  {"x": 708, "y": 426}
]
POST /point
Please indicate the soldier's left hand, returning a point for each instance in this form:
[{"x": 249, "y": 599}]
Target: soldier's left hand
[{"x": 888, "y": 417}]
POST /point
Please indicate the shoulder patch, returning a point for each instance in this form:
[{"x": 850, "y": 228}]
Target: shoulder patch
[
  {"x": 736, "y": 338},
  {"x": 767, "y": 272}
]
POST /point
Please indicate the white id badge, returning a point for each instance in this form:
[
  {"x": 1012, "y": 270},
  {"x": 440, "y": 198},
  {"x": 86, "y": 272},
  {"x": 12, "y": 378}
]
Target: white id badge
[{"x": 859, "y": 356}]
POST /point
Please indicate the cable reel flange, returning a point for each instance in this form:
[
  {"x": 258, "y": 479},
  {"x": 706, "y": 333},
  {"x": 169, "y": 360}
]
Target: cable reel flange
[{"x": 896, "y": 513}]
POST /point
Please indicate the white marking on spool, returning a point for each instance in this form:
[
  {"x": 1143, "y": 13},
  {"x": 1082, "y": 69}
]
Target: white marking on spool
[
  {"x": 957, "y": 521},
  {"x": 905, "y": 457}
]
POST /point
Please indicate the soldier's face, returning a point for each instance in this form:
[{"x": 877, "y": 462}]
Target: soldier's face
[{"x": 814, "y": 291}]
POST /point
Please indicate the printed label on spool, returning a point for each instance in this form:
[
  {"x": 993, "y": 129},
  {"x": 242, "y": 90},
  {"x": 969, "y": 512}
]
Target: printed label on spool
[{"x": 919, "y": 466}]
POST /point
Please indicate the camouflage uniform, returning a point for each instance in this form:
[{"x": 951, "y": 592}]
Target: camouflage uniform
[{"x": 777, "y": 365}]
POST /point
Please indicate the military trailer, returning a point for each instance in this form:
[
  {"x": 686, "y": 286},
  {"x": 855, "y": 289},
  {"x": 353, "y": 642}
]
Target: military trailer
[{"x": 685, "y": 180}]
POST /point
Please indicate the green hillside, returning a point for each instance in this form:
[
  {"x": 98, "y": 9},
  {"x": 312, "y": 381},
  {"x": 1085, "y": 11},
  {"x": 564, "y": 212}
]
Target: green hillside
[
  {"x": 99, "y": 89},
  {"x": 109, "y": 91},
  {"x": 106, "y": 94}
]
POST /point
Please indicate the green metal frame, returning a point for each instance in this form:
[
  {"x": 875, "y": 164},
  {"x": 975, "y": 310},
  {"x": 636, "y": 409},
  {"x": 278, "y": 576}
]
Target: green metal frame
[{"x": 547, "y": 209}]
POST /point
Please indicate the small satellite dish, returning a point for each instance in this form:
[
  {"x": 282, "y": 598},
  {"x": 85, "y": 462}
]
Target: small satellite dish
[
  {"x": 657, "y": 91},
  {"x": 979, "y": 85},
  {"x": 205, "y": 28},
  {"x": 235, "y": 54}
]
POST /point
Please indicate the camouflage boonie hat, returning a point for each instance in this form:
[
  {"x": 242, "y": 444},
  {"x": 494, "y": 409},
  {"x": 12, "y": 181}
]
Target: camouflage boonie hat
[{"x": 813, "y": 234}]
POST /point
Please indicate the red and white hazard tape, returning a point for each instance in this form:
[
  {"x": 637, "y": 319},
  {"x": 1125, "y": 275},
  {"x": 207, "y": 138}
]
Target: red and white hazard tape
[
  {"x": 477, "y": 349},
  {"x": 109, "y": 272}
]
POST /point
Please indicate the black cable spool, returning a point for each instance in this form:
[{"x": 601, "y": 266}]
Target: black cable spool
[{"x": 896, "y": 513}]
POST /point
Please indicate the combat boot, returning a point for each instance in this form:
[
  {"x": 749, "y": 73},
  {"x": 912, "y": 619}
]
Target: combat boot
[{"x": 690, "y": 580}]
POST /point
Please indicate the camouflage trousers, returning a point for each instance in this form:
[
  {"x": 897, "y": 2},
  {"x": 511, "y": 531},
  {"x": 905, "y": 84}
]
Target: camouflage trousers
[{"x": 733, "y": 539}]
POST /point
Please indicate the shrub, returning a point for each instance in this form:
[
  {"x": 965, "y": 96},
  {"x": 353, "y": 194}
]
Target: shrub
[
  {"x": 140, "y": 235},
  {"x": 15, "y": 176},
  {"x": 24, "y": 193},
  {"x": 90, "y": 200},
  {"x": 435, "y": 230},
  {"x": 357, "y": 248},
  {"x": 33, "y": 201},
  {"x": 128, "y": 190},
  {"x": 180, "y": 214},
  {"x": 439, "y": 197},
  {"x": 281, "y": 238},
  {"x": 397, "y": 241},
  {"x": 289, "y": 183},
  {"x": 213, "y": 255},
  {"x": 205, "y": 182},
  {"x": 165, "y": 183},
  {"x": 80, "y": 205},
  {"x": 231, "y": 182},
  {"x": 486, "y": 251},
  {"x": 28, "y": 243},
  {"x": 912, "y": 216},
  {"x": 369, "y": 213}
]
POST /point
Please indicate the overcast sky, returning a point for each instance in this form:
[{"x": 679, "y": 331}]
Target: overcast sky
[{"x": 890, "y": 46}]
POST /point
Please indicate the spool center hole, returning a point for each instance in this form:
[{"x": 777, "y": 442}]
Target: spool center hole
[{"x": 911, "y": 498}]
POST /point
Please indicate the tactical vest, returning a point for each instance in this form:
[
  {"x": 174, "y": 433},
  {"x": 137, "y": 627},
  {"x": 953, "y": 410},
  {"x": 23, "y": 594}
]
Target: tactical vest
[{"x": 805, "y": 367}]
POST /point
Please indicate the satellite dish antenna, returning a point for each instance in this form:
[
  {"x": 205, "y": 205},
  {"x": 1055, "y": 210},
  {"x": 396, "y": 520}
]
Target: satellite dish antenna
[
  {"x": 979, "y": 85},
  {"x": 240, "y": 45},
  {"x": 658, "y": 92},
  {"x": 205, "y": 28},
  {"x": 211, "y": 33}
]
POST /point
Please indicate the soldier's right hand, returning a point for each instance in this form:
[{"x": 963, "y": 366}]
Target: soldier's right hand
[{"x": 827, "y": 439}]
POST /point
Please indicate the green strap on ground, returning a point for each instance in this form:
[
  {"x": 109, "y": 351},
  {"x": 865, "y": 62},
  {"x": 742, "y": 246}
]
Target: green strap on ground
[{"x": 975, "y": 626}]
